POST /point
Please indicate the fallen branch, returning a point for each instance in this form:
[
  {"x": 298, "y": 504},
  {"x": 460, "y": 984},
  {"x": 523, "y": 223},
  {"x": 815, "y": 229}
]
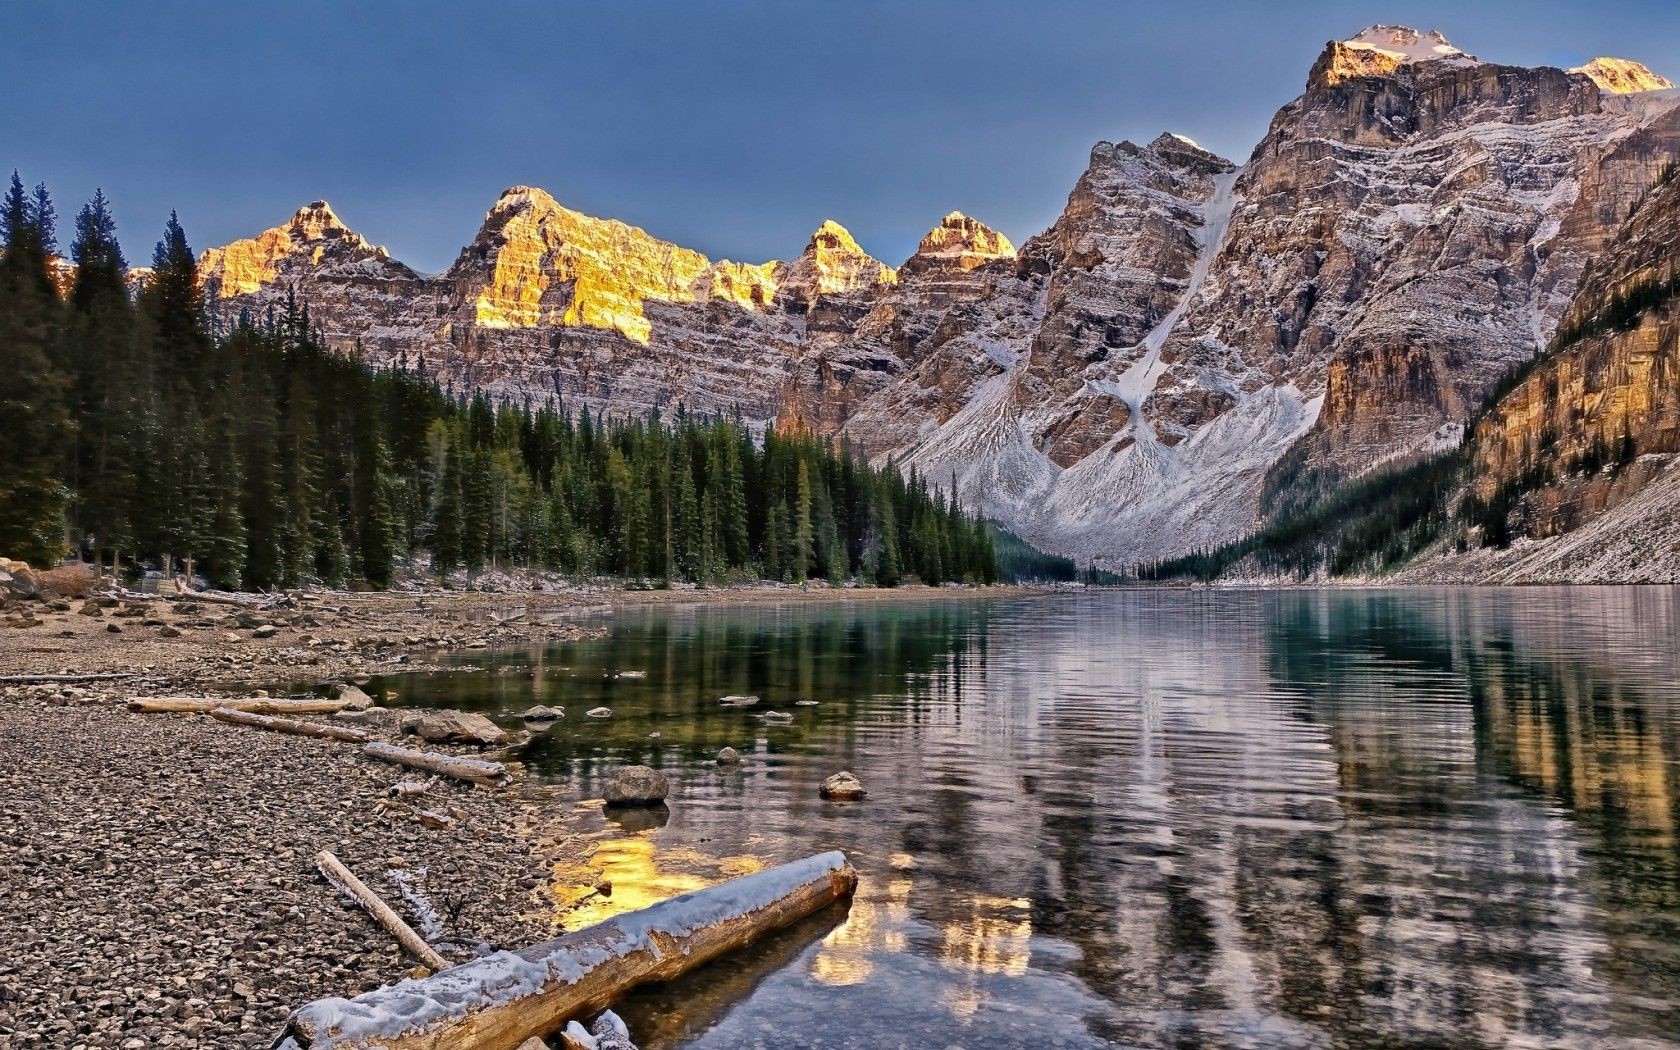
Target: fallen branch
[
  {"x": 340, "y": 876},
  {"x": 404, "y": 788},
  {"x": 290, "y": 725},
  {"x": 500, "y": 1000},
  {"x": 473, "y": 770},
  {"x": 257, "y": 705},
  {"x": 61, "y": 679}
]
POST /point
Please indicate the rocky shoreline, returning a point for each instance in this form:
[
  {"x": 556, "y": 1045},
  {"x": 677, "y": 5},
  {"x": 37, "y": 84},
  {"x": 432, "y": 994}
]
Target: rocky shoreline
[{"x": 157, "y": 877}]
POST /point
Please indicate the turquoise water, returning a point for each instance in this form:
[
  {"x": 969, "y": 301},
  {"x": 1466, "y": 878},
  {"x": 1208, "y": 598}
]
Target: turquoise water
[{"x": 1151, "y": 818}]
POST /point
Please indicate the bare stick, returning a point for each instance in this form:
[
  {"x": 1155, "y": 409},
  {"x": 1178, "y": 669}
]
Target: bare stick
[{"x": 340, "y": 876}]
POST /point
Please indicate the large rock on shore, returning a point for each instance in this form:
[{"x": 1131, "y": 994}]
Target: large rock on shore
[
  {"x": 459, "y": 727},
  {"x": 635, "y": 786},
  {"x": 354, "y": 698}
]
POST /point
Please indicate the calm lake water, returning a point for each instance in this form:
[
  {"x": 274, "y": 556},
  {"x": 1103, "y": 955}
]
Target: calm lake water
[{"x": 1152, "y": 818}]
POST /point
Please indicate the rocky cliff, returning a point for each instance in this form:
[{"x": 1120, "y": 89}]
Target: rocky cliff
[
  {"x": 1581, "y": 459},
  {"x": 1193, "y": 345}
]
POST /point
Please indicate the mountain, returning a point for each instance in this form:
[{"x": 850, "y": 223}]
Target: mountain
[
  {"x": 1578, "y": 464},
  {"x": 1194, "y": 346}
]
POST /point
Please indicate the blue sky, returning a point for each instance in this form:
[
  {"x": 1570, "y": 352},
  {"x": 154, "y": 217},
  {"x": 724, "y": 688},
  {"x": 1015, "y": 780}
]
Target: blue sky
[{"x": 730, "y": 127}]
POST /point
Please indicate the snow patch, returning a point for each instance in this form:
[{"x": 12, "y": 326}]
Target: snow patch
[{"x": 1408, "y": 45}]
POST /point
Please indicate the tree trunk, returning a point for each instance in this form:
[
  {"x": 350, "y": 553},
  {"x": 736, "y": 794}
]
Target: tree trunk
[
  {"x": 497, "y": 1002},
  {"x": 259, "y": 705},
  {"x": 349, "y": 734},
  {"x": 472, "y": 770}
]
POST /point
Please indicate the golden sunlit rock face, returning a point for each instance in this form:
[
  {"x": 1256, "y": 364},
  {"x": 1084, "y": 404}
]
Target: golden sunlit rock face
[
  {"x": 536, "y": 263},
  {"x": 1621, "y": 76},
  {"x": 312, "y": 238},
  {"x": 961, "y": 243},
  {"x": 1591, "y": 412},
  {"x": 1132, "y": 382}
]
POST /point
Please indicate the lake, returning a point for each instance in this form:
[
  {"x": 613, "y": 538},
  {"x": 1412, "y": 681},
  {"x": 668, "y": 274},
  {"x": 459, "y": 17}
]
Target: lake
[{"x": 1147, "y": 817}]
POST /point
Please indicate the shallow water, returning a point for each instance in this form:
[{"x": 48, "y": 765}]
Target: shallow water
[{"x": 1153, "y": 818}]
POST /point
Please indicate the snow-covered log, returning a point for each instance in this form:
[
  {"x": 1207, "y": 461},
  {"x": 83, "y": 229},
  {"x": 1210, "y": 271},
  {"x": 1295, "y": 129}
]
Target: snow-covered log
[
  {"x": 473, "y": 770},
  {"x": 500, "y": 1000},
  {"x": 257, "y": 705},
  {"x": 336, "y": 873},
  {"x": 280, "y": 724}
]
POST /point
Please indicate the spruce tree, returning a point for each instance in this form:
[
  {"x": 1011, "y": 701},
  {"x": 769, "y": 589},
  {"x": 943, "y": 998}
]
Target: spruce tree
[{"x": 33, "y": 425}]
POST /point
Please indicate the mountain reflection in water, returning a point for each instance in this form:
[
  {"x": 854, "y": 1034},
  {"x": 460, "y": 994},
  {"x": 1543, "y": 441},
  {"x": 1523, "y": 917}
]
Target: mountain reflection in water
[{"x": 1151, "y": 818}]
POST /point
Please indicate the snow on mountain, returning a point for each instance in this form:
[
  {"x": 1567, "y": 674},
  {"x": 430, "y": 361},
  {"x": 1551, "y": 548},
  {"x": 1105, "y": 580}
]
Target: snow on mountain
[{"x": 1190, "y": 347}]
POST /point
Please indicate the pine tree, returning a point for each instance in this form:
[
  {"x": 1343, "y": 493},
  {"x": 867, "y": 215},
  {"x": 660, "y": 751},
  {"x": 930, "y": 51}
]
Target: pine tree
[{"x": 33, "y": 425}]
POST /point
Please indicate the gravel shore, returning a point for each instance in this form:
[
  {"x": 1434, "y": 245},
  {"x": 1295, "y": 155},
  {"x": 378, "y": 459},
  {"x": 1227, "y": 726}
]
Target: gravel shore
[
  {"x": 157, "y": 877},
  {"x": 160, "y": 889}
]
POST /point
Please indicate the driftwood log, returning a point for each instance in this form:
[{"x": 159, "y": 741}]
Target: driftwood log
[
  {"x": 336, "y": 873},
  {"x": 472, "y": 770},
  {"x": 501, "y": 1000},
  {"x": 257, "y": 705},
  {"x": 61, "y": 679},
  {"x": 281, "y": 724}
]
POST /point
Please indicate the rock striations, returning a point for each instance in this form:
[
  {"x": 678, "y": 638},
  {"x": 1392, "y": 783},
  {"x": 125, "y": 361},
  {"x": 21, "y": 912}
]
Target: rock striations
[{"x": 1192, "y": 346}]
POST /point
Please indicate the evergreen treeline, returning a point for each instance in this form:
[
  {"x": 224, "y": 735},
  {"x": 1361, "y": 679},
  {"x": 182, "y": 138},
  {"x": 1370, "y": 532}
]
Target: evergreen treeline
[
  {"x": 1367, "y": 525},
  {"x": 130, "y": 432}
]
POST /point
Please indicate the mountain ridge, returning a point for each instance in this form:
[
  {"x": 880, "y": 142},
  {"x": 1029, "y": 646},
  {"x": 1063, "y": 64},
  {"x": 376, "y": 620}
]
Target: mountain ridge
[{"x": 1193, "y": 344}]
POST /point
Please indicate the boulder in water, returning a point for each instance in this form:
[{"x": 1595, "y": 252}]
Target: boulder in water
[
  {"x": 635, "y": 786},
  {"x": 738, "y": 701},
  {"x": 599, "y": 712},
  {"x": 543, "y": 713},
  {"x": 729, "y": 757},
  {"x": 843, "y": 787}
]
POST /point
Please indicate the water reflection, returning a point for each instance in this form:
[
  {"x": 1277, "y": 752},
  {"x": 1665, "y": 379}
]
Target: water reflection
[{"x": 1158, "y": 818}]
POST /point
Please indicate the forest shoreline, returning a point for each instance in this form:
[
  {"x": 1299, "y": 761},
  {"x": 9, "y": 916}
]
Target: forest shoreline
[{"x": 160, "y": 882}]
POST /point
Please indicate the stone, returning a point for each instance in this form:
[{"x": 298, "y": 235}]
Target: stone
[
  {"x": 738, "y": 701},
  {"x": 459, "y": 727},
  {"x": 266, "y": 630},
  {"x": 373, "y": 716},
  {"x": 842, "y": 787},
  {"x": 728, "y": 757},
  {"x": 543, "y": 713},
  {"x": 599, "y": 712},
  {"x": 635, "y": 786},
  {"x": 353, "y": 696}
]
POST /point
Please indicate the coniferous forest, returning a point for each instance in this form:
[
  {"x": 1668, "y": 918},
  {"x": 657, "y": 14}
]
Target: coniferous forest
[{"x": 136, "y": 430}]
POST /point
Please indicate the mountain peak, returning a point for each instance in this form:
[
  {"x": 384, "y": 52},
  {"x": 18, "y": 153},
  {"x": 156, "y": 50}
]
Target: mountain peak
[
  {"x": 1379, "y": 50},
  {"x": 1622, "y": 76},
  {"x": 1407, "y": 43},
  {"x": 317, "y": 221},
  {"x": 960, "y": 242},
  {"x": 832, "y": 263},
  {"x": 832, "y": 235}
]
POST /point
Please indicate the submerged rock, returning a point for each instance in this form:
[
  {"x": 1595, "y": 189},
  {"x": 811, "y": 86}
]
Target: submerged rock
[
  {"x": 843, "y": 787},
  {"x": 635, "y": 786},
  {"x": 729, "y": 757}
]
